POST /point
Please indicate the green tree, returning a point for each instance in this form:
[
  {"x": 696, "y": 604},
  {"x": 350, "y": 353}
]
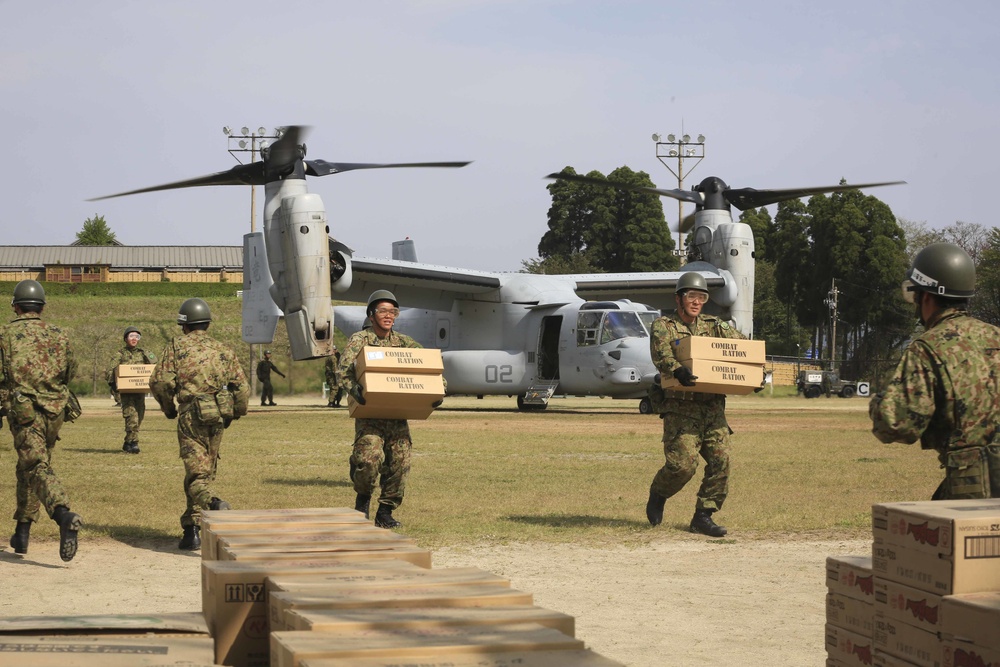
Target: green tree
[
  {"x": 96, "y": 232},
  {"x": 986, "y": 304},
  {"x": 762, "y": 226}
]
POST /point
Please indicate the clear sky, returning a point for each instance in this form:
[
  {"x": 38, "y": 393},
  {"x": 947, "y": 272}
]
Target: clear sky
[{"x": 100, "y": 97}]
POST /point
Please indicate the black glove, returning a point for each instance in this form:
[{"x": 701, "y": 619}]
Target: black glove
[
  {"x": 684, "y": 376},
  {"x": 758, "y": 390},
  {"x": 356, "y": 394},
  {"x": 170, "y": 412},
  {"x": 226, "y": 421},
  {"x": 656, "y": 379},
  {"x": 437, "y": 404}
]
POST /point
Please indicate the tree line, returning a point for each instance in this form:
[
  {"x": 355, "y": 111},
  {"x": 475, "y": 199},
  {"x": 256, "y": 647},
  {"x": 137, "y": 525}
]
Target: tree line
[{"x": 845, "y": 253}]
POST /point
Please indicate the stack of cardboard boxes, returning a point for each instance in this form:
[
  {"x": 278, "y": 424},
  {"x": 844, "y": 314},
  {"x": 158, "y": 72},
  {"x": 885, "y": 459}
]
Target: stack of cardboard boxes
[
  {"x": 934, "y": 582},
  {"x": 722, "y": 365},
  {"x": 397, "y": 382},
  {"x": 133, "y": 378}
]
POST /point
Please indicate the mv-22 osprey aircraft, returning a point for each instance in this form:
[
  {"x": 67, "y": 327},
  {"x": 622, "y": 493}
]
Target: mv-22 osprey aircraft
[{"x": 514, "y": 334}]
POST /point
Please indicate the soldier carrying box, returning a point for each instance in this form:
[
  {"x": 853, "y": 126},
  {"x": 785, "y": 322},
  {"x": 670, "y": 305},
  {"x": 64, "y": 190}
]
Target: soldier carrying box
[{"x": 133, "y": 403}]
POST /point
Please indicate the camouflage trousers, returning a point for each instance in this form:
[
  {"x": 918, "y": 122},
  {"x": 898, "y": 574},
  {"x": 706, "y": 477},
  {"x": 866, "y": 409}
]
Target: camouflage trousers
[
  {"x": 133, "y": 410},
  {"x": 691, "y": 429},
  {"x": 200, "y": 453},
  {"x": 266, "y": 392},
  {"x": 970, "y": 473},
  {"x": 381, "y": 452},
  {"x": 37, "y": 483}
]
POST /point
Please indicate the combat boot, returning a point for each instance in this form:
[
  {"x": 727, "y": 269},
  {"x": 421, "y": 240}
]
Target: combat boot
[
  {"x": 702, "y": 523},
  {"x": 219, "y": 504},
  {"x": 191, "y": 541},
  {"x": 19, "y": 540},
  {"x": 362, "y": 503},
  {"x": 69, "y": 524},
  {"x": 654, "y": 508},
  {"x": 383, "y": 517},
  {"x": 130, "y": 447}
]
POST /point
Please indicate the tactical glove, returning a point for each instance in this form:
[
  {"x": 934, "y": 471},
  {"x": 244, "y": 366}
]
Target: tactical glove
[
  {"x": 657, "y": 379},
  {"x": 437, "y": 404},
  {"x": 170, "y": 412},
  {"x": 685, "y": 377},
  {"x": 356, "y": 394},
  {"x": 226, "y": 421}
]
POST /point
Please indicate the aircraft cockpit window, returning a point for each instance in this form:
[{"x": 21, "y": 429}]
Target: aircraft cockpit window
[
  {"x": 588, "y": 323},
  {"x": 621, "y": 324},
  {"x": 648, "y": 317}
]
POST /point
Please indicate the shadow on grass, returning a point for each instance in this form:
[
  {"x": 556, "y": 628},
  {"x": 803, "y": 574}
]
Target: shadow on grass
[
  {"x": 547, "y": 411},
  {"x": 138, "y": 537},
  {"x": 291, "y": 481},
  {"x": 576, "y": 521},
  {"x": 93, "y": 450},
  {"x": 9, "y": 557}
]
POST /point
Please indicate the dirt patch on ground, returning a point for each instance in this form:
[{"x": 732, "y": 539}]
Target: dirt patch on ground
[{"x": 681, "y": 601}]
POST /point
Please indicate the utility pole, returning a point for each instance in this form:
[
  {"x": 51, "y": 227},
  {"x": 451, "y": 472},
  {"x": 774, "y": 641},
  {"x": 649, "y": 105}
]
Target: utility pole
[
  {"x": 831, "y": 301},
  {"x": 678, "y": 149}
]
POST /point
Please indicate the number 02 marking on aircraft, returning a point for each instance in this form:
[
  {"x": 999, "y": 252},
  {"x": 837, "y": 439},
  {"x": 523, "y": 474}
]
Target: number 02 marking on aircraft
[{"x": 496, "y": 374}]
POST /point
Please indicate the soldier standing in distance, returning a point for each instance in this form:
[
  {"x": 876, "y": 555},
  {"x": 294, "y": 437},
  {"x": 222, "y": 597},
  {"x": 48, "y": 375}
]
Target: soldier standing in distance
[
  {"x": 133, "y": 404},
  {"x": 946, "y": 389},
  {"x": 336, "y": 392},
  {"x": 381, "y": 446},
  {"x": 264, "y": 369},
  {"x": 693, "y": 423},
  {"x": 36, "y": 364},
  {"x": 211, "y": 391}
]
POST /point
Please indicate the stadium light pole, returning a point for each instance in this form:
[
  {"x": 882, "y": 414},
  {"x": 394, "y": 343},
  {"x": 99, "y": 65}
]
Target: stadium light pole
[
  {"x": 246, "y": 140},
  {"x": 680, "y": 149}
]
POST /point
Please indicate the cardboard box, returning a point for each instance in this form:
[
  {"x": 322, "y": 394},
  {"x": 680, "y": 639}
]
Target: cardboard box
[
  {"x": 349, "y": 620},
  {"x": 190, "y": 623},
  {"x": 218, "y": 522},
  {"x": 883, "y": 659},
  {"x": 289, "y": 648},
  {"x": 958, "y": 653},
  {"x": 958, "y": 529},
  {"x": 973, "y": 617},
  {"x": 134, "y": 370},
  {"x": 719, "y": 349},
  {"x": 849, "y": 613},
  {"x": 397, "y": 396},
  {"x": 906, "y": 641},
  {"x": 482, "y": 595},
  {"x": 370, "y": 551},
  {"x": 141, "y": 650},
  {"x": 292, "y": 533},
  {"x": 934, "y": 574},
  {"x": 292, "y": 541},
  {"x": 851, "y": 576},
  {"x": 563, "y": 658},
  {"x": 848, "y": 647},
  {"x": 908, "y": 605},
  {"x": 133, "y": 378},
  {"x": 235, "y": 605},
  {"x": 407, "y": 360},
  {"x": 718, "y": 377}
]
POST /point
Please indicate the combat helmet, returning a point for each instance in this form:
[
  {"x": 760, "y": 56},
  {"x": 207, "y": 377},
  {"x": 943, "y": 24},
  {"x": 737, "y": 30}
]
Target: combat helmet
[
  {"x": 129, "y": 330},
  {"x": 194, "y": 311},
  {"x": 380, "y": 295},
  {"x": 28, "y": 292},
  {"x": 691, "y": 280},
  {"x": 943, "y": 269}
]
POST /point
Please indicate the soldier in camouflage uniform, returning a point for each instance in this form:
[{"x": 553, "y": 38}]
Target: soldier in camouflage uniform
[
  {"x": 693, "y": 423},
  {"x": 133, "y": 404},
  {"x": 264, "y": 369},
  {"x": 36, "y": 365},
  {"x": 946, "y": 389},
  {"x": 211, "y": 391},
  {"x": 381, "y": 446},
  {"x": 336, "y": 392}
]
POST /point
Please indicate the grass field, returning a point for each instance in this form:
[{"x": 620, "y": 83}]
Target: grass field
[{"x": 485, "y": 473}]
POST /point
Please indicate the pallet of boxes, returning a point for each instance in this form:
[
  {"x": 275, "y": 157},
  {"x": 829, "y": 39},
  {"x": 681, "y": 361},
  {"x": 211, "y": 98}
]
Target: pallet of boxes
[
  {"x": 133, "y": 378},
  {"x": 929, "y": 594},
  {"x": 323, "y": 587},
  {"x": 398, "y": 382},
  {"x": 722, "y": 365}
]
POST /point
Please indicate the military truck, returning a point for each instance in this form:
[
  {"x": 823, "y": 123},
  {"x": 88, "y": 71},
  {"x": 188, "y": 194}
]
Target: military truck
[{"x": 813, "y": 384}]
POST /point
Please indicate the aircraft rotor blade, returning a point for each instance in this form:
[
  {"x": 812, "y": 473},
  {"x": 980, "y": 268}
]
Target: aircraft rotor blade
[
  {"x": 687, "y": 224},
  {"x": 744, "y": 198},
  {"x": 244, "y": 174},
  {"x": 286, "y": 150},
  {"x": 324, "y": 168},
  {"x": 683, "y": 195}
]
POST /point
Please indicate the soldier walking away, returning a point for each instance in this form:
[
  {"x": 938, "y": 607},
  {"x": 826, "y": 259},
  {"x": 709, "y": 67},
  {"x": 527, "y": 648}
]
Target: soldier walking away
[
  {"x": 336, "y": 392},
  {"x": 946, "y": 389},
  {"x": 264, "y": 369},
  {"x": 37, "y": 364},
  {"x": 211, "y": 391},
  {"x": 381, "y": 446},
  {"x": 133, "y": 404},
  {"x": 693, "y": 422}
]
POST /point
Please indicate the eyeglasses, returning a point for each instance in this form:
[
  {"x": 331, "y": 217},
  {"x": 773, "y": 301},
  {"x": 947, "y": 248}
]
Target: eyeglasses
[
  {"x": 695, "y": 297},
  {"x": 391, "y": 312}
]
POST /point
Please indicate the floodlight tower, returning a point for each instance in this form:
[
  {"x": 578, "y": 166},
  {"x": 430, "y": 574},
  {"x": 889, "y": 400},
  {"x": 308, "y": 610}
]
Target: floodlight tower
[
  {"x": 679, "y": 149},
  {"x": 247, "y": 141}
]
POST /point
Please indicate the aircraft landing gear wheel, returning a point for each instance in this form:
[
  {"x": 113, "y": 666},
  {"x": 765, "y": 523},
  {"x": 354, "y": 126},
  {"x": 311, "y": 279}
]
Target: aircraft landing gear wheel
[{"x": 645, "y": 406}]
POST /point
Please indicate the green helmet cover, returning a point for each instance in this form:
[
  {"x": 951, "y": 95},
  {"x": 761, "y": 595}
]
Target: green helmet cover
[
  {"x": 691, "y": 280},
  {"x": 194, "y": 311},
  {"x": 380, "y": 295},
  {"x": 28, "y": 291},
  {"x": 943, "y": 269}
]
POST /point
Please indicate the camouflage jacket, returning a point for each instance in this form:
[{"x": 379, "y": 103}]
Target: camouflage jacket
[
  {"x": 36, "y": 361},
  {"x": 128, "y": 356},
  {"x": 330, "y": 370},
  {"x": 670, "y": 328},
  {"x": 196, "y": 364},
  {"x": 946, "y": 390},
  {"x": 348, "y": 378}
]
